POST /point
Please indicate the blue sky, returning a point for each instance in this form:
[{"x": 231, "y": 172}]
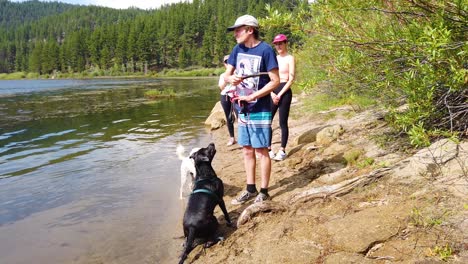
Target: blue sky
[{"x": 119, "y": 4}]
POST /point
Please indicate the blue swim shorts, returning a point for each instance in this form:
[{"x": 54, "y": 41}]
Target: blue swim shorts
[{"x": 254, "y": 129}]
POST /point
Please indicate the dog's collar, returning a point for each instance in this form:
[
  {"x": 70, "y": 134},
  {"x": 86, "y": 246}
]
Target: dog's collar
[{"x": 207, "y": 192}]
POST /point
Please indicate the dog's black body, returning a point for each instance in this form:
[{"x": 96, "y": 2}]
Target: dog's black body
[{"x": 208, "y": 191}]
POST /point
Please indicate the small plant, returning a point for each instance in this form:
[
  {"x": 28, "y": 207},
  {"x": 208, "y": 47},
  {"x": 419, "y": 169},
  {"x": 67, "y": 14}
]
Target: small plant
[
  {"x": 418, "y": 220},
  {"x": 444, "y": 253},
  {"x": 352, "y": 156},
  {"x": 365, "y": 162}
]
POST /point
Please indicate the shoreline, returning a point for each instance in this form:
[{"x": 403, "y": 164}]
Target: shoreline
[{"x": 357, "y": 223}]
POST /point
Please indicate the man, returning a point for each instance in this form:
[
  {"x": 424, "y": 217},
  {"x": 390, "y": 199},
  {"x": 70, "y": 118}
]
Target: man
[{"x": 249, "y": 57}]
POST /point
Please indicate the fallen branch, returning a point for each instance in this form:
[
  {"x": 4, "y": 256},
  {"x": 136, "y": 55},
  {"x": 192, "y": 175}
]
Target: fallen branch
[
  {"x": 338, "y": 189},
  {"x": 256, "y": 208},
  {"x": 319, "y": 192}
]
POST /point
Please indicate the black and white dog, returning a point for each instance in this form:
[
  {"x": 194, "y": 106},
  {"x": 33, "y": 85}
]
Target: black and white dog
[{"x": 199, "y": 220}]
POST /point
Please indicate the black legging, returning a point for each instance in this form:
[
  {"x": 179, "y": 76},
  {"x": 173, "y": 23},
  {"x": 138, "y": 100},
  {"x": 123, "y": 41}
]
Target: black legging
[
  {"x": 227, "y": 107},
  {"x": 284, "y": 105}
]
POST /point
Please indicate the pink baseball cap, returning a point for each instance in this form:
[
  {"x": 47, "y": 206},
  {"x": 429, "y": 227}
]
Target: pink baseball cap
[{"x": 280, "y": 38}]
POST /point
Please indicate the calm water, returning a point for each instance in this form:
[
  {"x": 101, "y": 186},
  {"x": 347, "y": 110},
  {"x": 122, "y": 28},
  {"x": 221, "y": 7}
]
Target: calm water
[{"x": 88, "y": 171}]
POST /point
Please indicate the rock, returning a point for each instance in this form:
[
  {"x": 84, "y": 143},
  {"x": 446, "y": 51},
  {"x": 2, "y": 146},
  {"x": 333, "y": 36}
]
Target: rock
[
  {"x": 335, "y": 176},
  {"x": 307, "y": 137},
  {"x": 329, "y": 134},
  {"x": 440, "y": 152},
  {"x": 351, "y": 235},
  {"x": 216, "y": 119},
  {"x": 453, "y": 173},
  {"x": 334, "y": 153},
  {"x": 293, "y": 162},
  {"x": 426, "y": 161},
  {"x": 346, "y": 258},
  {"x": 295, "y": 149}
]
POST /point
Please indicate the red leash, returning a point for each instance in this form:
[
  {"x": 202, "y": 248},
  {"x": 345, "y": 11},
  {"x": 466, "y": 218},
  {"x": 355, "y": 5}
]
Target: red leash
[{"x": 243, "y": 106}]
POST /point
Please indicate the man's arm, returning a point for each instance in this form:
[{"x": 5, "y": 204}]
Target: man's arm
[
  {"x": 270, "y": 86},
  {"x": 229, "y": 74}
]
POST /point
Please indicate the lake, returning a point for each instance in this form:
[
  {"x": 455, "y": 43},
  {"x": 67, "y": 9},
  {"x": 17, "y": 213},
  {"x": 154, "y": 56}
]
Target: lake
[{"x": 88, "y": 171}]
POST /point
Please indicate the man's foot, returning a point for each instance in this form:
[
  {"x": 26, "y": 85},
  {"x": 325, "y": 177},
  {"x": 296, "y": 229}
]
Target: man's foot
[
  {"x": 244, "y": 197},
  {"x": 261, "y": 197},
  {"x": 281, "y": 155}
]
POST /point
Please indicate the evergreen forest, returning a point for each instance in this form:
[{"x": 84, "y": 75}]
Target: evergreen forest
[
  {"x": 48, "y": 37},
  {"x": 408, "y": 56}
]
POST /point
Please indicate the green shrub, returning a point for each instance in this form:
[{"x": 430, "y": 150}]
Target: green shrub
[
  {"x": 153, "y": 94},
  {"x": 406, "y": 52},
  {"x": 191, "y": 72},
  {"x": 12, "y": 76}
]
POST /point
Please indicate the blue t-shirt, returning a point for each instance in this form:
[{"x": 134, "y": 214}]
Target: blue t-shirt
[{"x": 246, "y": 61}]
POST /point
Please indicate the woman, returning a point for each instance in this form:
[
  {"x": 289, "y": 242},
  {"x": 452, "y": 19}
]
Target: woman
[
  {"x": 282, "y": 95},
  {"x": 227, "y": 105}
]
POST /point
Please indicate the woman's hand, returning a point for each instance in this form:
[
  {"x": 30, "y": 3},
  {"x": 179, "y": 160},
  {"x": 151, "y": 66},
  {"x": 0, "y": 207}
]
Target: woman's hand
[{"x": 276, "y": 99}]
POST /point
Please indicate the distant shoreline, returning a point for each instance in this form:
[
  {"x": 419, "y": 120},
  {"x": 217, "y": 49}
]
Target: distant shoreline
[{"x": 172, "y": 73}]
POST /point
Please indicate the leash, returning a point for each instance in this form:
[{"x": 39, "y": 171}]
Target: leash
[{"x": 243, "y": 105}]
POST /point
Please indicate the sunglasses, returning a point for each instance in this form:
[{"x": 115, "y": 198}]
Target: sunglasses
[{"x": 278, "y": 43}]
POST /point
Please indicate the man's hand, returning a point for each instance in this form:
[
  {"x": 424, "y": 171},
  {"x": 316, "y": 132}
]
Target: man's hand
[
  {"x": 235, "y": 80},
  {"x": 247, "y": 98}
]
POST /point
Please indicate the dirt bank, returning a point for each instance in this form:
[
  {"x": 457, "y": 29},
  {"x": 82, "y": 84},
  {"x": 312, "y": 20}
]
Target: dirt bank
[{"x": 348, "y": 199}]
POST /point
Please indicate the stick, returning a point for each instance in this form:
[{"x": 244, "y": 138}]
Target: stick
[{"x": 254, "y": 75}]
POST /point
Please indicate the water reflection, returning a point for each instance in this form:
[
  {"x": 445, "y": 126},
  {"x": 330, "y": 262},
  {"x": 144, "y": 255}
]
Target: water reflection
[
  {"x": 80, "y": 166},
  {"x": 37, "y": 126}
]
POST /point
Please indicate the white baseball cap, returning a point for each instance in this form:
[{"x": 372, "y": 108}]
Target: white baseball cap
[{"x": 245, "y": 20}]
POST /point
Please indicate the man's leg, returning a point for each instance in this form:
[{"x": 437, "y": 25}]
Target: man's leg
[
  {"x": 265, "y": 166},
  {"x": 249, "y": 163}
]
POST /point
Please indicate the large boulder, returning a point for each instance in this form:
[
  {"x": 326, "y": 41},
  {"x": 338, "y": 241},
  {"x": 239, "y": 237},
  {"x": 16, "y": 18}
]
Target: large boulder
[
  {"x": 329, "y": 134},
  {"x": 308, "y": 136},
  {"x": 427, "y": 161},
  {"x": 216, "y": 119}
]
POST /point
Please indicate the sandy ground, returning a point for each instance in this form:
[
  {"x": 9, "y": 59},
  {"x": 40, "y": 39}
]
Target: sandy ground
[{"x": 389, "y": 219}]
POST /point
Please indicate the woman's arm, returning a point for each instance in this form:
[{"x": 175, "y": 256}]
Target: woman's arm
[
  {"x": 222, "y": 83},
  {"x": 292, "y": 74}
]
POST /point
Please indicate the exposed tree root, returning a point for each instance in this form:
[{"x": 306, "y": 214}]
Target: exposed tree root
[
  {"x": 254, "y": 209},
  {"x": 338, "y": 189}
]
